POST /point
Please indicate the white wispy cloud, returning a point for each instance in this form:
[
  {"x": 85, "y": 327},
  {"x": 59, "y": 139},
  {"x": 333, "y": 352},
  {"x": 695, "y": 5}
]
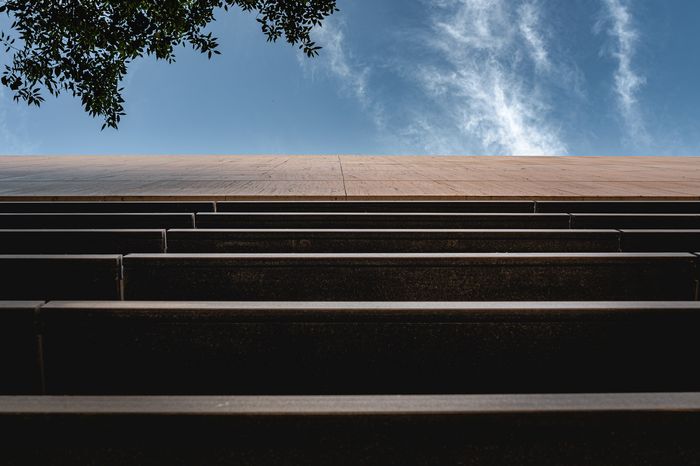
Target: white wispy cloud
[
  {"x": 485, "y": 18},
  {"x": 332, "y": 38},
  {"x": 473, "y": 96},
  {"x": 479, "y": 83},
  {"x": 338, "y": 61},
  {"x": 531, "y": 30},
  {"x": 628, "y": 82}
]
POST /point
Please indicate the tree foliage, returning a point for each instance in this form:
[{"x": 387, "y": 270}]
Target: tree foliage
[{"x": 84, "y": 47}]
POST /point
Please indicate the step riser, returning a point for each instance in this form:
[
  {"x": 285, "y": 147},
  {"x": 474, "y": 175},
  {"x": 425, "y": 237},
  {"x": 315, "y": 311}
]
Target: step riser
[
  {"x": 163, "y": 435},
  {"x": 102, "y": 221},
  {"x": 81, "y": 241},
  {"x": 524, "y": 207},
  {"x": 261, "y": 241},
  {"x": 92, "y": 241},
  {"x": 60, "y": 277},
  {"x": 375, "y": 221},
  {"x": 611, "y": 207},
  {"x": 20, "y": 361},
  {"x": 450, "y": 278},
  {"x": 680, "y": 207},
  {"x": 631, "y": 221},
  {"x": 660, "y": 240},
  {"x": 152, "y": 350},
  {"x": 107, "y": 207}
]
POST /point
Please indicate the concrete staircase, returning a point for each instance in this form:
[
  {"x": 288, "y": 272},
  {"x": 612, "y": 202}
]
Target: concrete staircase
[{"x": 364, "y": 332}]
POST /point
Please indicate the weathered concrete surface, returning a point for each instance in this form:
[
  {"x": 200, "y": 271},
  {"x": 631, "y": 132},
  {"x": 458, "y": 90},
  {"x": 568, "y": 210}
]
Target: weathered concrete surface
[
  {"x": 347, "y": 177},
  {"x": 410, "y": 277},
  {"x": 506, "y": 207},
  {"x": 374, "y": 220},
  {"x": 135, "y": 348},
  {"x": 660, "y": 240},
  {"x": 41, "y": 241},
  {"x": 87, "y": 221},
  {"x": 64, "y": 276},
  {"x": 107, "y": 207},
  {"x": 622, "y": 429},
  {"x": 407, "y": 240},
  {"x": 636, "y": 221},
  {"x": 20, "y": 372}
]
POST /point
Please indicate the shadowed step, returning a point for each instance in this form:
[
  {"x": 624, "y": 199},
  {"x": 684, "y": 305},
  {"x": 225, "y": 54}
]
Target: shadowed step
[
  {"x": 407, "y": 240},
  {"x": 47, "y": 277},
  {"x": 660, "y": 240},
  {"x": 106, "y": 207},
  {"x": 20, "y": 371},
  {"x": 373, "y": 220},
  {"x": 377, "y": 206},
  {"x": 642, "y": 207},
  {"x": 103, "y": 221},
  {"x": 81, "y": 241},
  {"x": 411, "y": 277},
  {"x": 194, "y": 348},
  {"x": 621, "y": 429},
  {"x": 644, "y": 221}
]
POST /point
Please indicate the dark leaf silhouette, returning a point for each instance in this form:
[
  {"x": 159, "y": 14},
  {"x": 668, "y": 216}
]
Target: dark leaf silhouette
[{"x": 84, "y": 47}]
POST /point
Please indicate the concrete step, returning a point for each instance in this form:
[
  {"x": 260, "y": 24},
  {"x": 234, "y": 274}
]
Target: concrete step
[
  {"x": 660, "y": 240},
  {"x": 622, "y": 429},
  {"x": 406, "y": 240},
  {"x": 45, "y": 277},
  {"x": 90, "y": 241},
  {"x": 275, "y": 348},
  {"x": 81, "y": 241},
  {"x": 411, "y": 277},
  {"x": 636, "y": 221},
  {"x": 20, "y": 365},
  {"x": 660, "y": 207},
  {"x": 107, "y": 207},
  {"x": 95, "y": 221},
  {"x": 378, "y": 206},
  {"x": 373, "y": 220}
]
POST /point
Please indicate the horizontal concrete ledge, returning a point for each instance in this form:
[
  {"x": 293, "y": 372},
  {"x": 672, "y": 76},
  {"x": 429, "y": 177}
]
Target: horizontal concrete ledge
[
  {"x": 629, "y": 221},
  {"x": 412, "y": 276},
  {"x": 426, "y": 405},
  {"x": 592, "y": 197},
  {"x": 506, "y": 257},
  {"x": 617, "y": 429},
  {"x": 348, "y": 177},
  {"x": 264, "y": 311},
  {"x": 435, "y": 220},
  {"x": 60, "y": 257},
  {"x": 624, "y": 206},
  {"x": 372, "y": 220},
  {"x": 126, "y": 241},
  {"x": 85, "y": 241},
  {"x": 19, "y": 354},
  {"x": 401, "y": 240},
  {"x": 116, "y": 231},
  {"x": 60, "y": 276},
  {"x": 368, "y": 348},
  {"x": 12, "y": 305},
  {"x": 402, "y": 232},
  {"x": 525, "y": 206},
  {"x": 660, "y": 240},
  {"x": 455, "y": 206},
  {"x": 94, "y": 221},
  {"x": 107, "y": 207}
]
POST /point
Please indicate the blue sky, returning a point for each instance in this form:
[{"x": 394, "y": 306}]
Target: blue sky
[{"x": 513, "y": 77}]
